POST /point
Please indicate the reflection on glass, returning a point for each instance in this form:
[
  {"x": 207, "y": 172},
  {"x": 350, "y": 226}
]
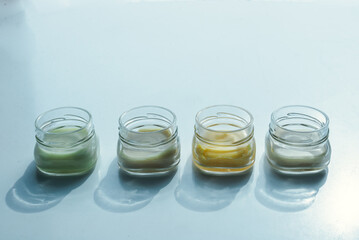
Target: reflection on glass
[
  {"x": 288, "y": 193},
  {"x": 36, "y": 192},
  {"x": 121, "y": 192},
  {"x": 204, "y": 193}
]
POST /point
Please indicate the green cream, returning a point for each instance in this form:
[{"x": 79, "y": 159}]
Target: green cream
[{"x": 66, "y": 151}]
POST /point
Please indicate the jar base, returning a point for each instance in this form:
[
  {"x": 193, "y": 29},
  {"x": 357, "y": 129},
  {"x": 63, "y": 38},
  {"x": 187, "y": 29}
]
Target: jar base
[
  {"x": 65, "y": 174},
  {"x": 295, "y": 170},
  {"x": 219, "y": 171},
  {"x": 149, "y": 172}
]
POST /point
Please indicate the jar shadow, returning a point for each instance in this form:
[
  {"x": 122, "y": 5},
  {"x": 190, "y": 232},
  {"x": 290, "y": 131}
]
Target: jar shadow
[
  {"x": 287, "y": 193},
  {"x": 204, "y": 193},
  {"x": 36, "y": 192},
  {"x": 121, "y": 192}
]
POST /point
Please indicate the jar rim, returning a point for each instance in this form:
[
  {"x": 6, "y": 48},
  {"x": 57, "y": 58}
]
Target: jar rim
[
  {"x": 39, "y": 128},
  {"x": 322, "y": 126},
  {"x": 248, "y": 124},
  {"x": 122, "y": 124}
]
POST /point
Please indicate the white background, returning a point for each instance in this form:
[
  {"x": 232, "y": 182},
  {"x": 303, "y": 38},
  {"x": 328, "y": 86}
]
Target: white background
[{"x": 110, "y": 56}]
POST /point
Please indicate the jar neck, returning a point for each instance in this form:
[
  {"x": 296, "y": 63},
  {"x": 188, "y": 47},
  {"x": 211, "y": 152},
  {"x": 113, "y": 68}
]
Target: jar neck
[
  {"x": 147, "y": 126},
  {"x": 64, "y": 127},
  {"x": 299, "y": 125},
  {"x": 224, "y": 125},
  {"x": 298, "y": 137}
]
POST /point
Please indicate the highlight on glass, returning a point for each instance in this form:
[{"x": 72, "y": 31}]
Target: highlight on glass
[
  {"x": 223, "y": 142},
  {"x": 148, "y": 141},
  {"x": 66, "y": 142},
  {"x": 298, "y": 140}
]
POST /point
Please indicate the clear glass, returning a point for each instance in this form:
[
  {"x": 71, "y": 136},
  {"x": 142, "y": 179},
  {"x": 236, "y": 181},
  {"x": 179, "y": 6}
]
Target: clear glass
[
  {"x": 297, "y": 140},
  {"x": 148, "y": 141},
  {"x": 223, "y": 142},
  {"x": 66, "y": 142}
]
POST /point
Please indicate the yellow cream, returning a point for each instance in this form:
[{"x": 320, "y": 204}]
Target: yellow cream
[{"x": 224, "y": 158}]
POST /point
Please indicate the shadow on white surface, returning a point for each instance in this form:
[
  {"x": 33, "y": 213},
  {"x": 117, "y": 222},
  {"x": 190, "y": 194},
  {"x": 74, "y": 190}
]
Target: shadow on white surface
[
  {"x": 287, "y": 193},
  {"x": 204, "y": 193},
  {"x": 36, "y": 192},
  {"x": 120, "y": 192}
]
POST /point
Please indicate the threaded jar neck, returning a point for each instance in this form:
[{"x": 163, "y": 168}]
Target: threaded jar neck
[
  {"x": 224, "y": 125},
  {"x": 299, "y": 125},
  {"x": 64, "y": 127},
  {"x": 147, "y": 126}
]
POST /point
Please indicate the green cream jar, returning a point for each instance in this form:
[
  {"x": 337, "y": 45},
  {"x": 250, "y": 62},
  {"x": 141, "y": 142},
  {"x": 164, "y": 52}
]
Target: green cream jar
[{"x": 66, "y": 143}]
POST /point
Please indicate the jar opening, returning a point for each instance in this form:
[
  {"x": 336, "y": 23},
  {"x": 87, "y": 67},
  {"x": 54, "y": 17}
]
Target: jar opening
[
  {"x": 224, "y": 125},
  {"x": 299, "y": 125},
  {"x": 64, "y": 120},
  {"x": 224, "y": 118},
  {"x": 147, "y": 125},
  {"x": 64, "y": 127},
  {"x": 300, "y": 119}
]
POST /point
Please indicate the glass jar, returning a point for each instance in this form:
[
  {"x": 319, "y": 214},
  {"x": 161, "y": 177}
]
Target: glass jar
[
  {"x": 297, "y": 140},
  {"x": 66, "y": 142},
  {"x": 148, "y": 141},
  {"x": 223, "y": 142}
]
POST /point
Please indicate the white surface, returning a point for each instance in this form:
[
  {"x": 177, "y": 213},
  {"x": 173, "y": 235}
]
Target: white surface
[{"x": 109, "y": 56}]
